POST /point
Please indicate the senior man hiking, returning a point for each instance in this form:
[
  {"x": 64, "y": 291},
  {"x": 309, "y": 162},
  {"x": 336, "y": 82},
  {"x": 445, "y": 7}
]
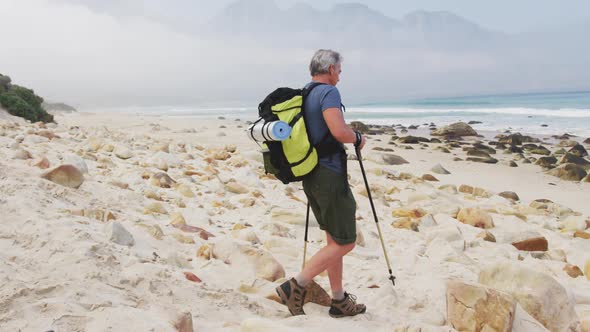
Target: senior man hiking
[{"x": 327, "y": 189}]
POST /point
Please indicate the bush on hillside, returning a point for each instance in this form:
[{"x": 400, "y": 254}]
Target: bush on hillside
[
  {"x": 17, "y": 106},
  {"x": 22, "y": 102},
  {"x": 27, "y": 95}
]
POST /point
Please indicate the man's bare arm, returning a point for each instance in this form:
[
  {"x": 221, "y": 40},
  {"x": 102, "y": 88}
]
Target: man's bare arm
[{"x": 338, "y": 127}]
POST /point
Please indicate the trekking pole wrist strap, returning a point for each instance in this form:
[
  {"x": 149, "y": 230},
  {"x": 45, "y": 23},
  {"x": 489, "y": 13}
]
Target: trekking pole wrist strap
[{"x": 359, "y": 139}]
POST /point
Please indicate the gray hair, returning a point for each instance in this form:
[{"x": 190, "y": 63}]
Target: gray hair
[{"x": 321, "y": 61}]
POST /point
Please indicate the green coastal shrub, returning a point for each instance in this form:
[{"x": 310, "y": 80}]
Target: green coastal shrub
[
  {"x": 27, "y": 95},
  {"x": 22, "y": 102}
]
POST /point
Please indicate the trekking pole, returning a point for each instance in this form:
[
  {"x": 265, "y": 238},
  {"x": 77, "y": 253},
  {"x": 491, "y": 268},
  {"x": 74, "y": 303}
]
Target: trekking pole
[
  {"x": 305, "y": 239},
  {"x": 358, "y": 155}
]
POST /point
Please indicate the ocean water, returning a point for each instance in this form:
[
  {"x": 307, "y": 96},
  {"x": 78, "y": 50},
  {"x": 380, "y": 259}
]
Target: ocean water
[
  {"x": 528, "y": 113},
  {"x": 532, "y": 113}
]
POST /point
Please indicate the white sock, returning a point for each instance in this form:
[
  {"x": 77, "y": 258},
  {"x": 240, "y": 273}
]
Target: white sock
[
  {"x": 338, "y": 295},
  {"x": 301, "y": 281}
]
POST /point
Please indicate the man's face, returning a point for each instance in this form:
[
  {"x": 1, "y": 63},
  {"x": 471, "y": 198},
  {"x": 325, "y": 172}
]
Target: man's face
[{"x": 335, "y": 73}]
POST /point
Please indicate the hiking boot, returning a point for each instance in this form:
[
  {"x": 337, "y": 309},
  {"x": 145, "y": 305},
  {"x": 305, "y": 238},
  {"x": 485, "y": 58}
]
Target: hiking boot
[
  {"x": 292, "y": 295},
  {"x": 346, "y": 307}
]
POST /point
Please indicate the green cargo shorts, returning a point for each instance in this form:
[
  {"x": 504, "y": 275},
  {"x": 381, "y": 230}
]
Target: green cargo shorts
[{"x": 332, "y": 203}]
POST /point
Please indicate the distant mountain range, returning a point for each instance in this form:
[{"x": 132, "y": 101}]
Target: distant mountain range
[{"x": 351, "y": 25}]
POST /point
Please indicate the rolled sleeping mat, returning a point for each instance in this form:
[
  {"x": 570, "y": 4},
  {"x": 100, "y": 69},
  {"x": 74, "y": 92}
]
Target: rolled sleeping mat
[{"x": 270, "y": 131}]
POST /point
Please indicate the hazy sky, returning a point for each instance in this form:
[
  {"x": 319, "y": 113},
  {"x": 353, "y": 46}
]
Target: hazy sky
[
  {"x": 503, "y": 15},
  {"x": 143, "y": 52}
]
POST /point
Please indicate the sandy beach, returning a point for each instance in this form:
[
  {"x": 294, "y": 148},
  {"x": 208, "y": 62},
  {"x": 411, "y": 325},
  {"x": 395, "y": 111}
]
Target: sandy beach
[{"x": 163, "y": 222}]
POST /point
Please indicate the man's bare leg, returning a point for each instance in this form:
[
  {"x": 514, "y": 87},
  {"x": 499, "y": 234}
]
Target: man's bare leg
[
  {"x": 335, "y": 275},
  {"x": 292, "y": 292},
  {"x": 329, "y": 255}
]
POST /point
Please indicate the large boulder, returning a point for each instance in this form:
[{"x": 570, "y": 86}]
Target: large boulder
[
  {"x": 22, "y": 154},
  {"x": 184, "y": 322},
  {"x": 392, "y": 159},
  {"x": 511, "y": 195},
  {"x": 539, "y": 294},
  {"x": 259, "y": 262},
  {"x": 236, "y": 188},
  {"x": 429, "y": 177},
  {"x": 516, "y": 139},
  {"x": 578, "y": 150},
  {"x": 581, "y": 234},
  {"x": 546, "y": 162},
  {"x": 162, "y": 180},
  {"x": 573, "y": 270},
  {"x": 513, "y": 139},
  {"x": 483, "y": 147},
  {"x": 475, "y": 217},
  {"x": 413, "y": 140},
  {"x": 467, "y": 189},
  {"x": 123, "y": 152},
  {"x": 477, "y": 153},
  {"x": 65, "y": 175},
  {"x": 569, "y": 172},
  {"x": 119, "y": 235},
  {"x": 566, "y": 142},
  {"x": 523, "y": 322},
  {"x": 483, "y": 160},
  {"x": 41, "y": 162},
  {"x": 477, "y": 308},
  {"x": 265, "y": 265},
  {"x": 458, "y": 129},
  {"x": 77, "y": 162},
  {"x": 439, "y": 169},
  {"x": 514, "y": 149},
  {"x": 94, "y": 144},
  {"x": 569, "y": 158},
  {"x": 359, "y": 126},
  {"x": 540, "y": 150},
  {"x": 535, "y": 243},
  {"x": 574, "y": 223}
]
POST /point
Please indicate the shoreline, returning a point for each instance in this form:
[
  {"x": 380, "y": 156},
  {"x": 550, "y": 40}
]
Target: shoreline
[{"x": 488, "y": 134}]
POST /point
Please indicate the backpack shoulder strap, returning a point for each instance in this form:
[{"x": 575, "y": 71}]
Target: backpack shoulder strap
[
  {"x": 307, "y": 90},
  {"x": 328, "y": 144}
]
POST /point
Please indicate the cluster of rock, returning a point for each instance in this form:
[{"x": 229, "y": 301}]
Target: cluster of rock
[
  {"x": 510, "y": 297},
  {"x": 568, "y": 161},
  {"x": 173, "y": 177},
  {"x": 168, "y": 182},
  {"x": 507, "y": 296}
]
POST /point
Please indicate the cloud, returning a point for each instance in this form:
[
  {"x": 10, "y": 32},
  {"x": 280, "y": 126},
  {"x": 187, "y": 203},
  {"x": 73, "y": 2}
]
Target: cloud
[{"x": 101, "y": 53}]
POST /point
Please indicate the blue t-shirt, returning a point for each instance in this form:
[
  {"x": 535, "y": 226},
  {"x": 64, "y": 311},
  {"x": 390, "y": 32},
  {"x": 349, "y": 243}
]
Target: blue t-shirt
[{"x": 320, "y": 99}]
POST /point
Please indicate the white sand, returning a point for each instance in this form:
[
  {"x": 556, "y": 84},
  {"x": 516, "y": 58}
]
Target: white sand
[{"x": 60, "y": 271}]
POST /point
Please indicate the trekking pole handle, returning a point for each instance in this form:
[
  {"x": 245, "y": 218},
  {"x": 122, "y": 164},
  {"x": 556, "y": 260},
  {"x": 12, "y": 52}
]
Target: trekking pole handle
[{"x": 359, "y": 140}]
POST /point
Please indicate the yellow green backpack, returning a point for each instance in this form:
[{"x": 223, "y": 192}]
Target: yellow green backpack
[{"x": 291, "y": 159}]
